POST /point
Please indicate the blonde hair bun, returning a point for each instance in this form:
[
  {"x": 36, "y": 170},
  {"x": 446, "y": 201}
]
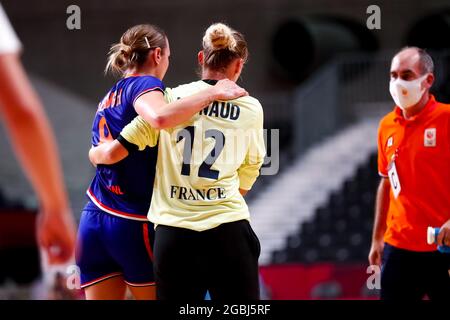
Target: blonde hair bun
[{"x": 219, "y": 36}]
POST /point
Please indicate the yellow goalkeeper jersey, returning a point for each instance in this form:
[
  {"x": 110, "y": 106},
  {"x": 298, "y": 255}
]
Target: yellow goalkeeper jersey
[{"x": 204, "y": 162}]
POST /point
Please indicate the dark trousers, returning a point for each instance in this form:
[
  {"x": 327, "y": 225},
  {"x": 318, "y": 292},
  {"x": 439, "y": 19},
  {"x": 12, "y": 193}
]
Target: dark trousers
[
  {"x": 223, "y": 260},
  {"x": 410, "y": 275}
]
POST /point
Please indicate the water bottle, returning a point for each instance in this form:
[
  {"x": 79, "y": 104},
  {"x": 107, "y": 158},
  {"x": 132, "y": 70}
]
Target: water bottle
[{"x": 432, "y": 234}]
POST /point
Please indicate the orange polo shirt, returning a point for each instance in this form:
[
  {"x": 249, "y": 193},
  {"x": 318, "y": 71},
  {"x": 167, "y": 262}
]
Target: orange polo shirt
[{"x": 421, "y": 146}]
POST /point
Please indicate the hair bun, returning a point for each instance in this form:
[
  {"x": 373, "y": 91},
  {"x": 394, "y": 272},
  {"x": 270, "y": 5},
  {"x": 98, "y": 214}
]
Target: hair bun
[{"x": 219, "y": 36}]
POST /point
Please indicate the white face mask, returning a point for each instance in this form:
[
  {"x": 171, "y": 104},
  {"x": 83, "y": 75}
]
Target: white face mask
[{"x": 406, "y": 93}]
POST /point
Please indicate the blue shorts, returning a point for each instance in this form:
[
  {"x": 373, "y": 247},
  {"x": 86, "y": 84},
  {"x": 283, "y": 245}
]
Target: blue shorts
[{"x": 110, "y": 246}]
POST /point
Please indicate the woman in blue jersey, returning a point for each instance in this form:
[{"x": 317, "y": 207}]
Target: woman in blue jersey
[
  {"x": 114, "y": 249},
  {"x": 203, "y": 238}
]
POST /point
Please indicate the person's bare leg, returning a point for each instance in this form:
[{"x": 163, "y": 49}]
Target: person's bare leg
[
  {"x": 143, "y": 293},
  {"x": 110, "y": 289}
]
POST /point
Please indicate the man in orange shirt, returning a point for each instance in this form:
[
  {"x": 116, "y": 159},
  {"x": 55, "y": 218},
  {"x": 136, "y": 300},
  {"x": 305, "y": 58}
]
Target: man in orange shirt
[{"x": 414, "y": 192}]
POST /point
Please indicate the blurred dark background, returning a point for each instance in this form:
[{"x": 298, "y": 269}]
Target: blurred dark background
[{"x": 287, "y": 39}]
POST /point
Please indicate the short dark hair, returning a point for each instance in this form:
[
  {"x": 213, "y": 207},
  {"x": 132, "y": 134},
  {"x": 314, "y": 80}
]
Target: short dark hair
[{"x": 426, "y": 62}]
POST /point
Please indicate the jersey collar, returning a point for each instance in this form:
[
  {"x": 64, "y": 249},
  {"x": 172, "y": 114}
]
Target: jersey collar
[{"x": 210, "y": 81}]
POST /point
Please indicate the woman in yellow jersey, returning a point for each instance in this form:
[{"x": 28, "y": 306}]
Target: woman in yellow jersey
[{"x": 203, "y": 237}]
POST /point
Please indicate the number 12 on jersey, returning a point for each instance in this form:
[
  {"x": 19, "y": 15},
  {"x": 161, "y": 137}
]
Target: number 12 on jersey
[{"x": 204, "y": 171}]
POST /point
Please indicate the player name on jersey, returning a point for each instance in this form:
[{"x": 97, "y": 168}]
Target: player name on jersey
[
  {"x": 221, "y": 109},
  {"x": 183, "y": 193}
]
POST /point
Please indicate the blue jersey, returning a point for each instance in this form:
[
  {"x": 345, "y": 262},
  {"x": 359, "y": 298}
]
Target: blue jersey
[{"x": 125, "y": 188}]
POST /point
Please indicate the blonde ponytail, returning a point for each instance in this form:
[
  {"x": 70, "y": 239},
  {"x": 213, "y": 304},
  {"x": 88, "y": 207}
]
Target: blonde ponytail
[{"x": 118, "y": 59}]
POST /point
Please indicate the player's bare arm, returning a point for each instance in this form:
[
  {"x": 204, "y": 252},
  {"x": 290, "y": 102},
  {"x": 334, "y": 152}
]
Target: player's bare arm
[
  {"x": 160, "y": 115},
  {"x": 107, "y": 153},
  {"x": 24, "y": 117}
]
